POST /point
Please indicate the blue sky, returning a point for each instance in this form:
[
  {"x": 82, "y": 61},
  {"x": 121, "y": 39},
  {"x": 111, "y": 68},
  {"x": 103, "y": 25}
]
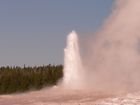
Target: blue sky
[{"x": 33, "y": 32}]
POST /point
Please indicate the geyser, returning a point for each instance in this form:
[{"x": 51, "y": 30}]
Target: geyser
[
  {"x": 114, "y": 58},
  {"x": 73, "y": 70}
]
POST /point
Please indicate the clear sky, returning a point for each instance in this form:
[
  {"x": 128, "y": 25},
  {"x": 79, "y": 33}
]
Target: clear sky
[{"x": 33, "y": 32}]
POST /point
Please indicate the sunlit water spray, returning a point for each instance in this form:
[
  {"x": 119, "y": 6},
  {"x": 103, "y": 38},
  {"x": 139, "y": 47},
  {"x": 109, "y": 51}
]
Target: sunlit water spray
[{"x": 72, "y": 63}]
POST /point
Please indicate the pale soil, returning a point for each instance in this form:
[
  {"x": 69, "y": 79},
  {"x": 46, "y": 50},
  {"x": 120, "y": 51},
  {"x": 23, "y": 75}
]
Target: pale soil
[{"x": 58, "y": 96}]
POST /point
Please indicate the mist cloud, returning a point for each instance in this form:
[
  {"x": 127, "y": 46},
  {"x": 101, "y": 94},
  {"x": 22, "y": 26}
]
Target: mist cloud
[{"x": 114, "y": 61}]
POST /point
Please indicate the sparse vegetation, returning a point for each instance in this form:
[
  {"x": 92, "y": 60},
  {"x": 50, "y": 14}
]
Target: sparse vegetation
[{"x": 20, "y": 79}]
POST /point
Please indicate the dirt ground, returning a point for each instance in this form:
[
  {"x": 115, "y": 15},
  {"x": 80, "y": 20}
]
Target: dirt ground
[{"x": 58, "y": 96}]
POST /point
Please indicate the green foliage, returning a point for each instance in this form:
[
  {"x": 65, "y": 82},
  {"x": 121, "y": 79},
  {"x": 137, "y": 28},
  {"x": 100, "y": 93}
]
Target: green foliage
[{"x": 19, "y": 79}]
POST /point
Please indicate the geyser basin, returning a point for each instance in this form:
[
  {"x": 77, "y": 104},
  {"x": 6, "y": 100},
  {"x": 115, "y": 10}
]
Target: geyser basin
[{"x": 115, "y": 64}]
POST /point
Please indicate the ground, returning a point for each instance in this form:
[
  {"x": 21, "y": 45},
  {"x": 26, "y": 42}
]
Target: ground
[{"x": 58, "y": 96}]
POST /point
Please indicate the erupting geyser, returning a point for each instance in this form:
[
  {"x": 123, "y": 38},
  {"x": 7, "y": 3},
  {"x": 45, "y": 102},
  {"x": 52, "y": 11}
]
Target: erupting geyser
[
  {"x": 113, "y": 58},
  {"x": 72, "y": 63}
]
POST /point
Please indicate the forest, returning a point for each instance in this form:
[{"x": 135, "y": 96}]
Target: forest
[{"x": 20, "y": 79}]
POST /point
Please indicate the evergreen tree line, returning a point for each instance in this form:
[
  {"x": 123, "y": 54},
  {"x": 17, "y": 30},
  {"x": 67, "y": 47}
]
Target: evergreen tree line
[{"x": 20, "y": 79}]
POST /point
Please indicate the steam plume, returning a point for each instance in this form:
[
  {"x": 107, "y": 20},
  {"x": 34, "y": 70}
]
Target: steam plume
[
  {"x": 114, "y": 61},
  {"x": 115, "y": 58}
]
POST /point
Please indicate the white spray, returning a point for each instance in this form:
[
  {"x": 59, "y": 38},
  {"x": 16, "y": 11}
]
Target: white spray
[{"x": 72, "y": 63}]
